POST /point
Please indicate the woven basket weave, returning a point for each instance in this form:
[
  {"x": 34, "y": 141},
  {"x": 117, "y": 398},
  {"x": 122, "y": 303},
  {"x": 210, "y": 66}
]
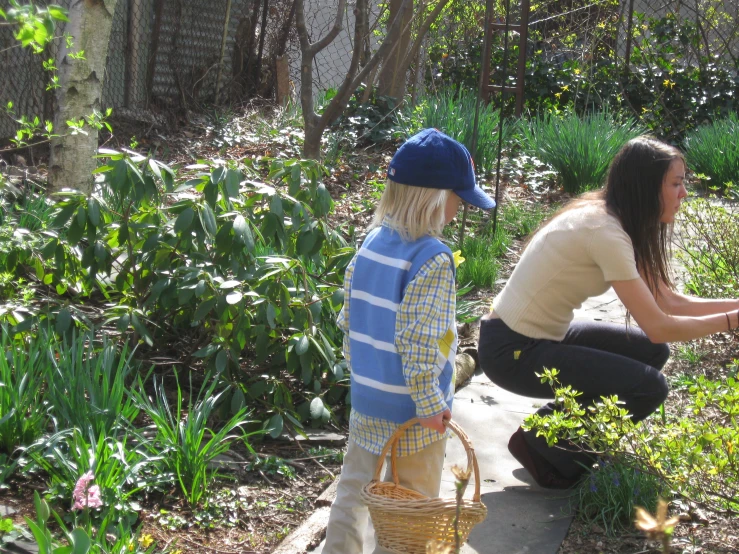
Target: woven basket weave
[{"x": 405, "y": 520}]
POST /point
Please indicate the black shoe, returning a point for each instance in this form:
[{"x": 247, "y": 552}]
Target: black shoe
[{"x": 544, "y": 473}]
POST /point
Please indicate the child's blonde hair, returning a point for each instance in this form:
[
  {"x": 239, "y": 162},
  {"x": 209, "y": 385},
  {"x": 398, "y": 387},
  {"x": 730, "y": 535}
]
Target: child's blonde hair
[{"x": 412, "y": 211}]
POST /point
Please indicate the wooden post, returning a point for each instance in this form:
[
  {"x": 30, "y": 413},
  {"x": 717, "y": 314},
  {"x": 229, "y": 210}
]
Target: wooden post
[{"x": 223, "y": 49}]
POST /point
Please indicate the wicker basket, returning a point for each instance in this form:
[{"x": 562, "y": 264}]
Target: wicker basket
[{"x": 405, "y": 520}]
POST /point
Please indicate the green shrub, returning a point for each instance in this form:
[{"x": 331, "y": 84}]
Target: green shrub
[
  {"x": 250, "y": 271},
  {"x": 708, "y": 247},
  {"x": 712, "y": 150},
  {"x": 579, "y": 149},
  {"x": 694, "y": 456}
]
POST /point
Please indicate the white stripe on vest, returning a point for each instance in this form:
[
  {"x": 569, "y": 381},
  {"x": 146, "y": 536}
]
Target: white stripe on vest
[
  {"x": 385, "y": 260},
  {"x": 374, "y": 300}
]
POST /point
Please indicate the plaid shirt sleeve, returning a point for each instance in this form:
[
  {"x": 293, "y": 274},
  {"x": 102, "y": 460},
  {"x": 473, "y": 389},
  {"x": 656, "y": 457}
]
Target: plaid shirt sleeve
[{"x": 424, "y": 316}]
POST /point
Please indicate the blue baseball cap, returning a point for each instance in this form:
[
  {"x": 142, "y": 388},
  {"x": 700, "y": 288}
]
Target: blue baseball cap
[{"x": 431, "y": 159}]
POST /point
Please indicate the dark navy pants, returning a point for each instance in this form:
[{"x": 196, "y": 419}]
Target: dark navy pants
[{"x": 595, "y": 358}]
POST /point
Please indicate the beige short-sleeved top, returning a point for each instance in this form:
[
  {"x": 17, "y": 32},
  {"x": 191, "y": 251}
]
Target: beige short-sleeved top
[{"x": 574, "y": 257}]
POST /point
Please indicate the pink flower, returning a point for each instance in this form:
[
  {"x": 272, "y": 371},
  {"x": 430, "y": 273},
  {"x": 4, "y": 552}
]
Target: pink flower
[{"x": 86, "y": 495}]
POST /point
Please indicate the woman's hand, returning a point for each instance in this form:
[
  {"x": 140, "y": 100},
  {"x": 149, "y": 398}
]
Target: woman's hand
[{"x": 436, "y": 422}]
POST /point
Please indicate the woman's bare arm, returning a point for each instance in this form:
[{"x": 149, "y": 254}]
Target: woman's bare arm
[{"x": 670, "y": 327}]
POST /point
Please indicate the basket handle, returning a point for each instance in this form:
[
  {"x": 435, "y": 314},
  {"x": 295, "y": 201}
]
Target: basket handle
[{"x": 393, "y": 443}]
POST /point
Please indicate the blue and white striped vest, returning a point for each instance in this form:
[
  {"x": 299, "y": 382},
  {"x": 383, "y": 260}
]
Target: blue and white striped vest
[{"x": 385, "y": 265}]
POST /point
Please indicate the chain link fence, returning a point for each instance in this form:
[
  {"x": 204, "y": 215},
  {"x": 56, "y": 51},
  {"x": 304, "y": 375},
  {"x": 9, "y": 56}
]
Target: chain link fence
[{"x": 194, "y": 53}]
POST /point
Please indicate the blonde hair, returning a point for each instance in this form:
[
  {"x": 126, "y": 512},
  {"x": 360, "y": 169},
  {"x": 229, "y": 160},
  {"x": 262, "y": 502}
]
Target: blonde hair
[{"x": 412, "y": 211}]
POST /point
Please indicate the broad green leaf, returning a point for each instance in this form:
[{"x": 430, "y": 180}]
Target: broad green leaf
[
  {"x": 206, "y": 351},
  {"x": 208, "y": 219},
  {"x": 63, "y": 321},
  {"x": 218, "y": 174},
  {"x": 230, "y": 284},
  {"x": 242, "y": 232},
  {"x": 275, "y": 206},
  {"x": 58, "y": 13},
  {"x": 80, "y": 541},
  {"x": 221, "y": 361},
  {"x": 184, "y": 220},
  {"x": 317, "y": 408},
  {"x": 238, "y": 401},
  {"x": 234, "y": 297},
  {"x": 63, "y": 216},
  {"x": 93, "y": 211},
  {"x": 233, "y": 182},
  {"x": 123, "y": 322},
  {"x": 301, "y": 347},
  {"x": 271, "y": 314},
  {"x": 274, "y": 426},
  {"x": 203, "y": 309}
]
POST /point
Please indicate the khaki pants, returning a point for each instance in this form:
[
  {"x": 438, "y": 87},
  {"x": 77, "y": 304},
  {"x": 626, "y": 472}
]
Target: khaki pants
[{"x": 347, "y": 522}]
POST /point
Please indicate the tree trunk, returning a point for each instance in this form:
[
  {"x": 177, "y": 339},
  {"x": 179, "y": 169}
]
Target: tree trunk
[
  {"x": 315, "y": 124},
  {"x": 81, "y": 83},
  {"x": 392, "y": 75},
  {"x": 313, "y": 134}
]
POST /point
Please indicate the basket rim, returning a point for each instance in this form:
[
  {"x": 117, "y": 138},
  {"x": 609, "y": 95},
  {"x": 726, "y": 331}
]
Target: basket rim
[{"x": 392, "y": 446}]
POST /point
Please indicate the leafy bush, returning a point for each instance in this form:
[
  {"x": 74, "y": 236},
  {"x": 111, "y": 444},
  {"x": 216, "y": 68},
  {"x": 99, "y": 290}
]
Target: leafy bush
[
  {"x": 693, "y": 456},
  {"x": 233, "y": 267},
  {"x": 580, "y": 149},
  {"x": 452, "y": 111},
  {"x": 708, "y": 247},
  {"x": 712, "y": 150}
]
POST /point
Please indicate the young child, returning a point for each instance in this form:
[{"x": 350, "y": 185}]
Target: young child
[{"x": 399, "y": 327}]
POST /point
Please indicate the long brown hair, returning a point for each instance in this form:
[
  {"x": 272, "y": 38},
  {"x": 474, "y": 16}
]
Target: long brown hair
[{"x": 633, "y": 193}]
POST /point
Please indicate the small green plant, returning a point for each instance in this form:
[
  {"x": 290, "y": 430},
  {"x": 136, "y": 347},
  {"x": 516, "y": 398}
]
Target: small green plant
[
  {"x": 712, "y": 151},
  {"x": 580, "y": 149},
  {"x": 688, "y": 353},
  {"x": 187, "y": 444},
  {"x": 482, "y": 252},
  {"x": 88, "y": 387},
  {"x": 22, "y": 407},
  {"x": 609, "y": 494}
]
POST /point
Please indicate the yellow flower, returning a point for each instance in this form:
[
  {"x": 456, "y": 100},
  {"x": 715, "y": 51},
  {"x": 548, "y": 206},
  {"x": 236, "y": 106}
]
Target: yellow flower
[
  {"x": 668, "y": 83},
  {"x": 458, "y": 259},
  {"x": 566, "y": 87},
  {"x": 146, "y": 541},
  {"x": 577, "y": 71},
  {"x": 131, "y": 547},
  {"x": 557, "y": 94}
]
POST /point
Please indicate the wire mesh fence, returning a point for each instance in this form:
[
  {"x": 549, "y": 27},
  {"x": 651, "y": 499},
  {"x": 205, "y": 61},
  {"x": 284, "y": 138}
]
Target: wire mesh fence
[{"x": 194, "y": 53}]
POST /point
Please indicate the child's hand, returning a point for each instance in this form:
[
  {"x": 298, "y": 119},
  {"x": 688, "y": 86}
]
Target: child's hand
[{"x": 437, "y": 422}]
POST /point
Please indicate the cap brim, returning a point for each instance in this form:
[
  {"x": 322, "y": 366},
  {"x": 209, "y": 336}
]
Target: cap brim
[{"x": 477, "y": 197}]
